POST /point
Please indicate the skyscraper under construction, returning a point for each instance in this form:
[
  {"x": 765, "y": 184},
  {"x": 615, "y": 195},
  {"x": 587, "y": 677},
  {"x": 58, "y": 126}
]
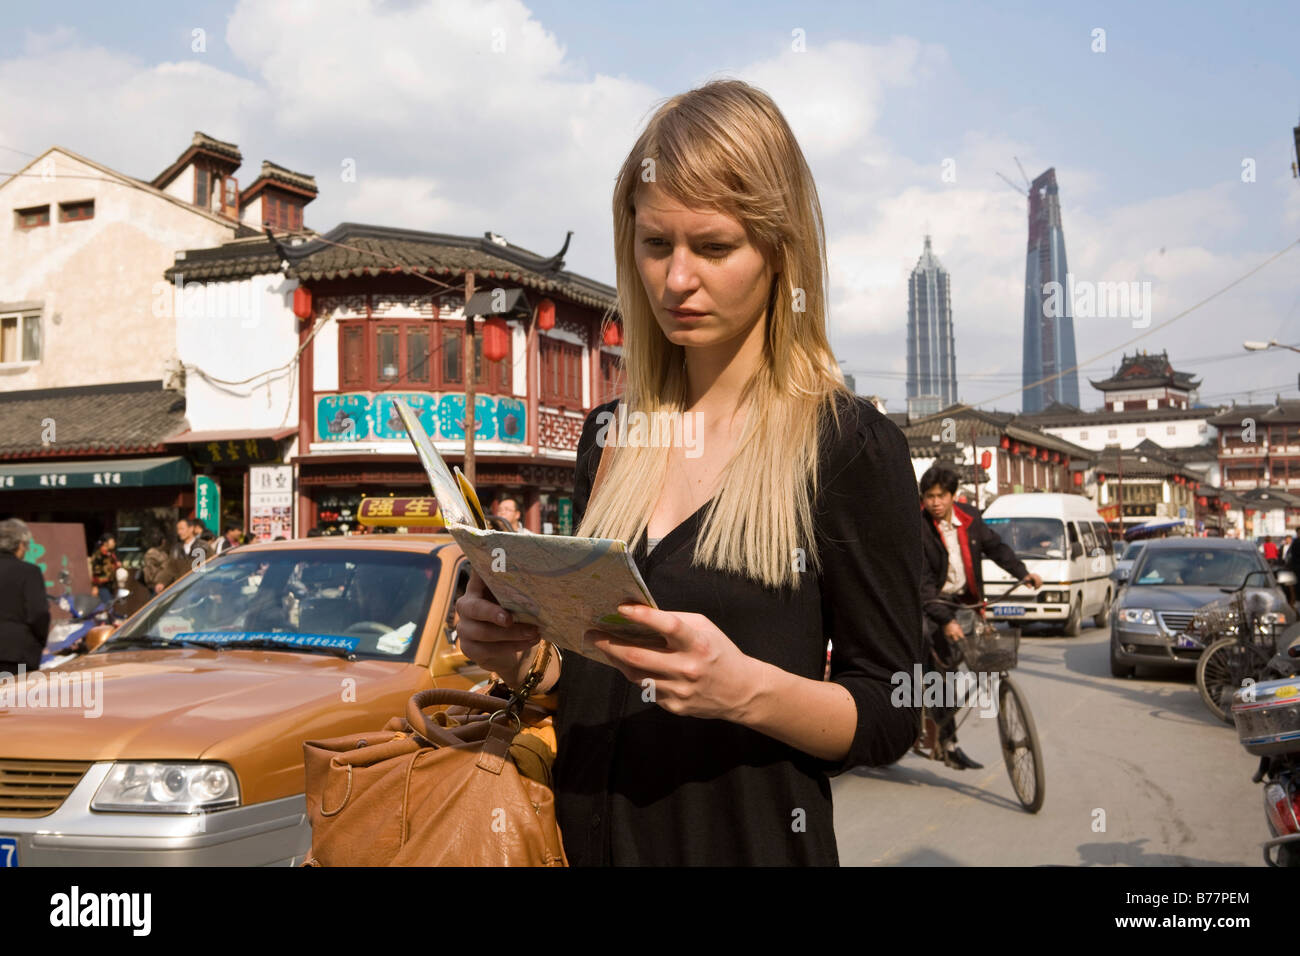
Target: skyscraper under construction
[
  {"x": 931, "y": 354},
  {"x": 1049, "y": 320}
]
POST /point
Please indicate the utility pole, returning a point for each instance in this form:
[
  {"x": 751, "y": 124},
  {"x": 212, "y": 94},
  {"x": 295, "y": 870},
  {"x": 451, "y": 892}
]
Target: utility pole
[
  {"x": 975, "y": 465},
  {"x": 470, "y": 427}
]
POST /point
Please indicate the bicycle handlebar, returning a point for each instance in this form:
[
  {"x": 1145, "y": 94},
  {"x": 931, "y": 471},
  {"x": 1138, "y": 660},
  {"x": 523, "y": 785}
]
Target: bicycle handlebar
[{"x": 981, "y": 604}]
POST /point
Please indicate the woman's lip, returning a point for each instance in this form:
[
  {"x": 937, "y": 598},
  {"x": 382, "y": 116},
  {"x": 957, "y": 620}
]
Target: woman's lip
[{"x": 681, "y": 314}]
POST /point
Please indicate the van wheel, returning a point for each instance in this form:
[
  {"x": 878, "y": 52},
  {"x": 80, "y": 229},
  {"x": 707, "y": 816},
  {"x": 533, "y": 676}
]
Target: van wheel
[
  {"x": 1102, "y": 618},
  {"x": 1074, "y": 625}
]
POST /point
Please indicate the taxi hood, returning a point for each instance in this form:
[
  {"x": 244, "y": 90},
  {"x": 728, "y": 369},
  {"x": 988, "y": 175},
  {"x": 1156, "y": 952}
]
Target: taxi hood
[{"x": 177, "y": 703}]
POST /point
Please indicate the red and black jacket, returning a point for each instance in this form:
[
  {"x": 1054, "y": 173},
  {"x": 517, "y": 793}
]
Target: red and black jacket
[{"x": 978, "y": 541}]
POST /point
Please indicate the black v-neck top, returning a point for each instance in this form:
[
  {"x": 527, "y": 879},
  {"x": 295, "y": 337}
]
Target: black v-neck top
[{"x": 636, "y": 785}]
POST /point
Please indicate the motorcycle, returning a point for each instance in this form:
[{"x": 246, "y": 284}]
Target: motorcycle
[
  {"x": 87, "y": 611},
  {"x": 1267, "y": 717}
]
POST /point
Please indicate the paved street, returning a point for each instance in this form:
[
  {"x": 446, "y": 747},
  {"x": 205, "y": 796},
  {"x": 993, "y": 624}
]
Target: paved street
[{"x": 1174, "y": 784}]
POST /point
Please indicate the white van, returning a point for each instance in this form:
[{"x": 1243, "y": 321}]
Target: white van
[{"x": 1063, "y": 540}]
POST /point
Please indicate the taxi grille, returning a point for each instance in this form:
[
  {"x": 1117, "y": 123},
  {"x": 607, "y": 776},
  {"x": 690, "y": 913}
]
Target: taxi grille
[{"x": 36, "y": 788}]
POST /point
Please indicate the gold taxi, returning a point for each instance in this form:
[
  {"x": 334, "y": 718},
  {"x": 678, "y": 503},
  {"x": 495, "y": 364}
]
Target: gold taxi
[{"x": 179, "y": 739}]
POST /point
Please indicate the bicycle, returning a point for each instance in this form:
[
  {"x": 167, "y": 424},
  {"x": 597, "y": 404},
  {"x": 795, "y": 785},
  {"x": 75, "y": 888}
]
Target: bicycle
[
  {"x": 1239, "y": 646},
  {"x": 987, "y": 650}
]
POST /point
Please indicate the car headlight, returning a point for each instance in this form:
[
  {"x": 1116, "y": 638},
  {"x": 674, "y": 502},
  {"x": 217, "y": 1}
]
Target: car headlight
[
  {"x": 1054, "y": 597},
  {"x": 1137, "y": 615},
  {"x": 1276, "y": 618},
  {"x": 167, "y": 787}
]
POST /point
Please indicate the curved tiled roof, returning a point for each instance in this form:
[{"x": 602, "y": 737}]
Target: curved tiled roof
[
  {"x": 353, "y": 249},
  {"x": 125, "y": 418}
]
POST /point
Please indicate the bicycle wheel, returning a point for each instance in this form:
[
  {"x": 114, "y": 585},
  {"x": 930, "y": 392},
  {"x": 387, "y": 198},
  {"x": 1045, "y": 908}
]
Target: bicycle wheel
[
  {"x": 1020, "y": 749},
  {"x": 1221, "y": 669}
]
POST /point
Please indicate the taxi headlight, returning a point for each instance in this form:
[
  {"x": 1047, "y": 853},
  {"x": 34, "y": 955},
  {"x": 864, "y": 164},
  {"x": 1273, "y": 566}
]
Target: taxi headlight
[
  {"x": 167, "y": 787},
  {"x": 1137, "y": 615}
]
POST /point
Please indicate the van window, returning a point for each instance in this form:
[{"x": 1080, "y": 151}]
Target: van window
[
  {"x": 1089, "y": 539},
  {"x": 1074, "y": 533},
  {"x": 1029, "y": 537},
  {"x": 1103, "y": 536}
]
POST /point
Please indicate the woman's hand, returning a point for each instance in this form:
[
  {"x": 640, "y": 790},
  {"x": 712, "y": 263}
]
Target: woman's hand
[
  {"x": 489, "y": 636},
  {"x": 700, "y": 673}
]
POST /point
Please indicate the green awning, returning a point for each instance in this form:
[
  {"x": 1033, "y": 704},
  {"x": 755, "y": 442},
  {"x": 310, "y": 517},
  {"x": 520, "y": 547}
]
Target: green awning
[{"x": 108, "y": 473}]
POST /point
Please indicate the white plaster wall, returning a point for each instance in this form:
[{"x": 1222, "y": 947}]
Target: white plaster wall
[
  {"x": 106, "y": 315},
  {"x": 182, "y": 187},
  {"x": 235, "y": 331},
  {"x": 1187, "y": 433},
  {"x": 251, "y": 215},
  {"x": 325, "y": 357}
]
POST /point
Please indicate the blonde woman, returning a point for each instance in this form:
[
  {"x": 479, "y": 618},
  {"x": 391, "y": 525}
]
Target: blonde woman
[{"x": 784, "y": 515}]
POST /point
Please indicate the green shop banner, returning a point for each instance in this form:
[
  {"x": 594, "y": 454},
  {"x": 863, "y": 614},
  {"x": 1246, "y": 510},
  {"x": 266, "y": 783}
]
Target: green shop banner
[{"x": 207, "y": 503}]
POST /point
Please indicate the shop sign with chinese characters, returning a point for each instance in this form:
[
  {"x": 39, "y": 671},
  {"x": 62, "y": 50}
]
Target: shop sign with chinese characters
[{"x": 270, "y": 501}]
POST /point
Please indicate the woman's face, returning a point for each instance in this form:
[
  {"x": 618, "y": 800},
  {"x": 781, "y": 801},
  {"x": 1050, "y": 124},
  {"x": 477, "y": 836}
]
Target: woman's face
[{"x": 701, "y": 262}]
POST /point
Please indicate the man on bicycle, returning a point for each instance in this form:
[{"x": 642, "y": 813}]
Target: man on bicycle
[{"x": 951, "y": 572}]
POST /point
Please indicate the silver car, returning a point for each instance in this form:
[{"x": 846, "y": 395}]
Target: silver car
[{"x": 1171, "y": 578}]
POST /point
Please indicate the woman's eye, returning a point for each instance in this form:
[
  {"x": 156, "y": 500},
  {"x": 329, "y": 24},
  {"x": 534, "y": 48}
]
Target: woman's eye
[{"x": 716, "y": 251}]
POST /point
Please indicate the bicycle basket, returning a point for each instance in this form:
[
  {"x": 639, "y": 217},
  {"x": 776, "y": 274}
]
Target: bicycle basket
[
  {"x": 988, "y": 649},
  {"x": 1214, "y": 620}
]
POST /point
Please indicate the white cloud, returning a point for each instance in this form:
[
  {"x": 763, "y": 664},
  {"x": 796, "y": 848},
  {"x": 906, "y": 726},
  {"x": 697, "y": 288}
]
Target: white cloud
[{"x": 464, "y": 116}]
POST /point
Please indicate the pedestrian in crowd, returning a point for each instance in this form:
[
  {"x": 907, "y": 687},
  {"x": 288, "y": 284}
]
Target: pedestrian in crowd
[
  {"x": 189, "y": 550},
  {"x": 1270, "y": 550},
  {"x": 156, "y": 569},
  {"x": 103, "y": 566},
  {"x": 795, "y": 525},
  {"x": 232, "y": 539},
  {"x": 24, "y": 610},
  {"x": 1291, "y": 561},
  {"x": 957, "y": 542},
  {"x": 509, "y": 510}
]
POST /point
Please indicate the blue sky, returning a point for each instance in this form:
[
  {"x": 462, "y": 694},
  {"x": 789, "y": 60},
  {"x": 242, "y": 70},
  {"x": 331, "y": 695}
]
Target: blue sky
[{"x": 1147, "y": 139}]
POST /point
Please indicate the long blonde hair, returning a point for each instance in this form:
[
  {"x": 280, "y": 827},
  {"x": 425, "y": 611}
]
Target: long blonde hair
[{"x": 726, "y": 147}]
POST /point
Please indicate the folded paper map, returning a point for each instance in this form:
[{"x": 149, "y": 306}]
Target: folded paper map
[{"x": 564, "y": 585}]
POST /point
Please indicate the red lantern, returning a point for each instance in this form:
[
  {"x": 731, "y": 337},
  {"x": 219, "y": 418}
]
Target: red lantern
[
  {"x": 1043, "y": 454},
  {"x": 1078, "y": 479},
  {"x": 986, "y": 459},
  {"x": 1005, "y": 442},
  {"x": 1101, "y": 479},
  {"x": 1065, "y": 461},
  {"x": 613, "y": 335},
  {"x": 1201, "y": 500},
  {"x": 302, "y": 302},
  {"x": 1015, "y": 448},
  {"x": 1031, "y": 451},
  {"x": 496, "y": 339},
  {"x": 1056, "y": 456},
  {"x": 546, "y": 315}
]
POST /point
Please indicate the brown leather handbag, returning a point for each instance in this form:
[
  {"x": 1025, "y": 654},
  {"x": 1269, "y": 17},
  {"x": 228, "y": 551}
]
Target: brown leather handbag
[{"x": 466, "y": 786}]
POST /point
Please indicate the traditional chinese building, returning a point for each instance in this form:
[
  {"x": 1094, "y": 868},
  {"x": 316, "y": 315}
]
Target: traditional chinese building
[
  {"x": 364, "y": 315},
  {"x": 995, "y": 454}
]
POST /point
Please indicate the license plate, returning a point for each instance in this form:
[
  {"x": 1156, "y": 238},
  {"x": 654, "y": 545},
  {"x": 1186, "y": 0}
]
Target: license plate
[
  {"x": 8, "y": 851},
  {"x": 1008, "y": 610},
  {"x": 1182, "y": 640}
]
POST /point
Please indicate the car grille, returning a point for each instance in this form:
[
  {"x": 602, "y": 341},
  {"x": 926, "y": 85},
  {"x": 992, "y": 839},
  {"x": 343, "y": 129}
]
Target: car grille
[
  {"x": 36, "y": 788},
  {"x": 1175, "y": 622}
]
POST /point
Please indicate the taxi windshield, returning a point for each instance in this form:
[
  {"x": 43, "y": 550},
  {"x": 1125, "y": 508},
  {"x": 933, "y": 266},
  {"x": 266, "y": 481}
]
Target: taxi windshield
[{"x": 372, "y": 604}]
